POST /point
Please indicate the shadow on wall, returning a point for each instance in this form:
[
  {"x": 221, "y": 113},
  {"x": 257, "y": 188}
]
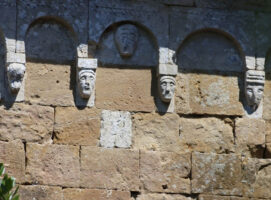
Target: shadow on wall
[{"x": 219, "y": 59}]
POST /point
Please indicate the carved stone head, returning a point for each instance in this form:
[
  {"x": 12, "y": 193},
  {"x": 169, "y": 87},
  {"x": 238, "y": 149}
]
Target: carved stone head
[
  {"x": 15, "y": 74},
  {"x": 167, "y": 86},
  {"x": 254, "y": 86},
  {"x": 86, "y": 82},
  {"x": 126, "y": 37}
]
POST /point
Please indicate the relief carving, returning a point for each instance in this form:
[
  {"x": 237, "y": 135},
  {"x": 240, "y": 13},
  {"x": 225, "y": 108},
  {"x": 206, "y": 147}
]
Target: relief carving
[
  {"x": 167, "y": 86},
  {"x": 15, "y": 75},
  {"x": 126, "y": 37},
  {"x": 86, "y": 82},
  {"x": 254, "y": 87}
]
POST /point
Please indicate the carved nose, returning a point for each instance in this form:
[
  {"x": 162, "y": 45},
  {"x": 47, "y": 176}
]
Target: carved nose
[{"x": 168, "y": 88}]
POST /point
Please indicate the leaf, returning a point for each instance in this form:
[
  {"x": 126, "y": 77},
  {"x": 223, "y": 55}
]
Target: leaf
[
  {"x": 16, "y": 197},
  {"x": 15, "y": 192},
  {"x": 2, "y": 169}
]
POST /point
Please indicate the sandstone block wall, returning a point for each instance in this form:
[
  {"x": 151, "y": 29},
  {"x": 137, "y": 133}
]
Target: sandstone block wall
[{"x": 125, "y": 142}]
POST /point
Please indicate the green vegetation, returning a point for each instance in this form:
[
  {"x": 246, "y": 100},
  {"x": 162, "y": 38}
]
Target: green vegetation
[{"x": 7, "y": 185}]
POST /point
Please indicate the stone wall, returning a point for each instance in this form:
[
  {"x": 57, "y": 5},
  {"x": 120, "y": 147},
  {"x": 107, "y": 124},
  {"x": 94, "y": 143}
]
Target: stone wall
[{"x": 136, "y": 100}]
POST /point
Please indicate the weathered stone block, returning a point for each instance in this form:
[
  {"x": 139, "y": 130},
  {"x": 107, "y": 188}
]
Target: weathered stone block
[
  {"x": 156, "y": 132},
  {"x": 162, "y": 197},
  {"x": 88, "y": 194},
  {"x": 40, "y": 192},
  {"x": 29, "y": 123},
  {"x": 116, "y": 129},
  {"x": 109, "y": 168},
  {"x": 53, "y": 165},
  {"x": 216, "y": 174},
  {"x": 214, "y": 197},
  {"x": 250, "y": 136},
  {"x": 209, "y": 94},
  {"x": 13, "y": 156},
  {"x": 49, "y": 84},
  {"x": 267, "y": 98},
  {"x": 267, "y": 153},
  {"x": 77, "y": 127},
  {"x": 257, "y": 178},
  {"x": 237, "y": 27},
  {"x": 206, "y": 135},
  {"x": 165, "y": 171},
  {"x": 125, "y": 89}
]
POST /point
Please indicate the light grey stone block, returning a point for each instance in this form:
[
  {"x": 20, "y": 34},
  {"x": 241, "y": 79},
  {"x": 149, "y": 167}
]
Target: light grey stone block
[
  {"x": 228, "y": 34},
  {"x": 116, "y": 129},
  {"x": 168, "y": 69},
  {"x": 82, "y": 51},
  {"x": 151, "y": 20},
  {"x": 164, "y": 55},
  {"x": 87, "y": 63},
  {"x": 15, "y": 57}
]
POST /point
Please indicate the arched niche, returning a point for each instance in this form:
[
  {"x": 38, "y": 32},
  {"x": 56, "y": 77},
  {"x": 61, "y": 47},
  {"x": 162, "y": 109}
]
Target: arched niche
[
  {"x": 145, "y": 53},
  {"x": 50, "y": 39},
  {"x": 211, "y": 69},
  {"x": 51, "y": 53},
  {"x": 210, "y": 50}
]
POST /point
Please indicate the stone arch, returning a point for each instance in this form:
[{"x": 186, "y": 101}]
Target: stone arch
[
  {"x": 146, "y": 53},
  {"x": 267, "y": 62},
  {"x": 3, "y": 57},
  {"x": 210, "y": 50},
  {"x": 51, "y": 39}
]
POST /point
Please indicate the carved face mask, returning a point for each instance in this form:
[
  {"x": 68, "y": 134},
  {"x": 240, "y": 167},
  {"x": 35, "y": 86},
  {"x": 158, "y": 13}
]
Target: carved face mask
[
  {"x": 167, "y": 88},
  {"x": 126, "y": 37},
  {"x": 254, "y": 93},
  {"x": 254, "y": 87},
  {"x": 86, "y": 83},
  {"x": 15, "y": 74}
]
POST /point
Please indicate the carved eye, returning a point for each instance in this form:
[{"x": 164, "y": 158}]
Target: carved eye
[
  {"x": 249, "y": 90},
  {"x": 172, "y": 84},
  {"x": 83, "y": 78},
  {"x": 163, "y": 83},
  {"x": 260, "y": 90}
]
